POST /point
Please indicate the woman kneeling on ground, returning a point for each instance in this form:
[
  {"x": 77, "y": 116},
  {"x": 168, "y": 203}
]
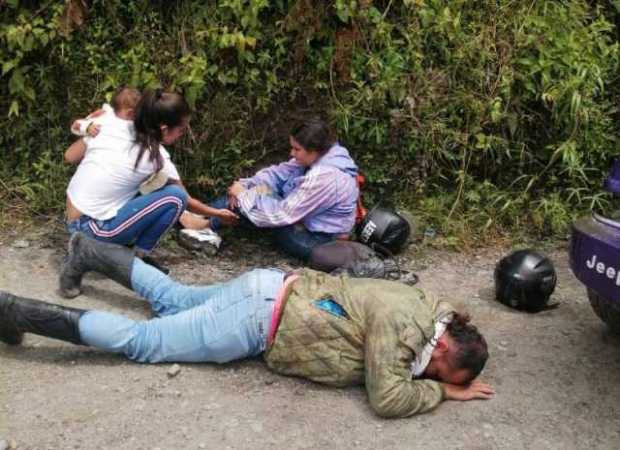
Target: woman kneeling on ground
[
  {"x": 102, "y": 197},
  {"x": 308, "y": 200}
]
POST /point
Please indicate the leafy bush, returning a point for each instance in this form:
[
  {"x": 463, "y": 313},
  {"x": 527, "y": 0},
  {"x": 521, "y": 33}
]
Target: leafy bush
[{"x": 483, "y": 116}]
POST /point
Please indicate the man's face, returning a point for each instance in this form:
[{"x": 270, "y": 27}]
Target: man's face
[
  {"x": 441, "y": 367},
  {"x": 441, "y": 370}
]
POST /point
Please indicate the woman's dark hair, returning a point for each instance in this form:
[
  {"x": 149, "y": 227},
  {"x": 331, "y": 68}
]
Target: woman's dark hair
[
  {"x": 157, "y": 108},
  {"x": 471, "y": 347},
  {"x": 313, "y": 134}
]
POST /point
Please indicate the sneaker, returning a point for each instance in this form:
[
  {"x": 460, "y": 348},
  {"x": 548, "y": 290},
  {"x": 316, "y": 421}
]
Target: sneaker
[{"x": 205, "y": 240}]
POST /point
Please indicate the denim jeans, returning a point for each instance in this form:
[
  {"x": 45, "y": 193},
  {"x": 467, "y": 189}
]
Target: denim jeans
[
  {"x": 142, "y": 221},
  {"x": 216, "y": 323},
  {"x": 295, "y": 239}
]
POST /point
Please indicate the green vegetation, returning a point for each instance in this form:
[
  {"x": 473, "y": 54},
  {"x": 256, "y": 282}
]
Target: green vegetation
[{"x": 486, "y": 117}]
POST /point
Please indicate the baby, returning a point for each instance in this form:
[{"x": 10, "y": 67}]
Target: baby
[
  {"x": 196, "y": 233},
  {"x": 123, "y": 105}
]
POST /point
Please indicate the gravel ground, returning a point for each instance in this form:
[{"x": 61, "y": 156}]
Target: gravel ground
[{"x": 557, "y": 373}]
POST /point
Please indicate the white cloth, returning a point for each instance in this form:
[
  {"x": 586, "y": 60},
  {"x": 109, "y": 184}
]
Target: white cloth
[
  {"x": 106, "y": 179},
  {"x": 420, "y": 363},
  {"x": 83, "y": 124}
]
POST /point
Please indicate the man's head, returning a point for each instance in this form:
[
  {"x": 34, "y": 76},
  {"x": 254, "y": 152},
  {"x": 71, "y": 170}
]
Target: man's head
[
  {"x": 124, "y": 102},
  {"x": 460, "y": 354}
]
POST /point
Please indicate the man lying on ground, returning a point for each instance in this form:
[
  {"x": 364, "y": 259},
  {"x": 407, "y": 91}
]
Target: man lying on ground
[{"x": 410, "y": 350}]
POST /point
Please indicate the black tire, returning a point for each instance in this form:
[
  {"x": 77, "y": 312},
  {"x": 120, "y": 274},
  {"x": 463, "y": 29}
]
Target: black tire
[{"x": 607, "y": 310}]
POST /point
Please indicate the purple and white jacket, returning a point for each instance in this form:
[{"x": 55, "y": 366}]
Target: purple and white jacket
[{"x": 323, "y": 197}]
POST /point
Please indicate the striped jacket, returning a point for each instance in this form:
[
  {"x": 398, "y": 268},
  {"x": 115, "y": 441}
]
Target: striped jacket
[{"x": 322, "y": 197}]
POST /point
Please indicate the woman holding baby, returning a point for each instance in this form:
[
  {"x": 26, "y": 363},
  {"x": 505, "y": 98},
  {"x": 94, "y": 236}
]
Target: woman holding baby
[{"x": 124, "y": 148}]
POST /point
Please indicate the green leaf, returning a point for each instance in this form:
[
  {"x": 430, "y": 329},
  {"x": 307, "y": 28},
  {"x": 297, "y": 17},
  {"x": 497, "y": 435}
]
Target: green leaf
[
  {"x": 14, "y": 109},
  {"x": 7, "y": 66}
]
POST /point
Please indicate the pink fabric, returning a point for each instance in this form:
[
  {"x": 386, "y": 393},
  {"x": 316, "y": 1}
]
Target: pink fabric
[{"x": 277, "y": 308}]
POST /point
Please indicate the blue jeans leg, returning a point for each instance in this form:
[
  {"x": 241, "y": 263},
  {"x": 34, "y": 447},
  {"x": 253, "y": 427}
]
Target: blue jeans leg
[
  {"x": 223, "y": 324},
  {"x": 215, "y": 223},
  {"x": 142, "y": 220},
  {"x": 167, "y": 296},
  {"x": 297, "y": 241},
  {"x": 220, "y": 203}
]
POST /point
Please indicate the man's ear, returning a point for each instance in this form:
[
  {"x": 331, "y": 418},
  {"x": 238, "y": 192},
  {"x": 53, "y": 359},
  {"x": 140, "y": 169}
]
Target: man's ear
[{"x": 443, "y": 344}]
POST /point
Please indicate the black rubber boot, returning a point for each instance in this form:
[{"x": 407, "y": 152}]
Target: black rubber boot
[
  {"x": 20, "y": 315},
  {"x": 85, "y": 255},
  {"x": 153, "y": 262}
]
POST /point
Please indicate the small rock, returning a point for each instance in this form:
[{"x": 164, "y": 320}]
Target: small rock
[
  {"x": 20, "y": 243},
  {"x": 430, "y": 233},
  {"x": 174, "y": 371},
  {"x": 269, "y": 382}
]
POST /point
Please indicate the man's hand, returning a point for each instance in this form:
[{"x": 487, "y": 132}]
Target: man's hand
[{"x": 475, "y": 390}]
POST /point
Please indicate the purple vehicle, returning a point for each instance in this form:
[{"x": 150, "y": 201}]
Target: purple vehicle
[{"x": 595, "y": 257}]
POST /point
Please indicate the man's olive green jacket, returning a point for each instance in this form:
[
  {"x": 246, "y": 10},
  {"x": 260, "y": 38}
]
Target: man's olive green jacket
[{"x": 386, "y": 324}]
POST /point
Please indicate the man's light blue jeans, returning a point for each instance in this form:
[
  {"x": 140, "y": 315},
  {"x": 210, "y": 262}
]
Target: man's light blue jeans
[{"x": 216, "y": 323}]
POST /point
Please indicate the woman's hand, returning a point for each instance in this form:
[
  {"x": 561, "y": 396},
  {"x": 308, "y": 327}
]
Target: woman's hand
[
  {"x": 475, "y": 390},
  {"x": 235, "y": 189},
  {"x": 227, "y": 216}
]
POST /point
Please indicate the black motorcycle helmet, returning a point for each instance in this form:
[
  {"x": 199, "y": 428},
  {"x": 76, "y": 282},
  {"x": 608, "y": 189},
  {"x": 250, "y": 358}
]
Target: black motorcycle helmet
[
  {"x": 525, "y": 280},
  {"x": 386, "y": 228}
]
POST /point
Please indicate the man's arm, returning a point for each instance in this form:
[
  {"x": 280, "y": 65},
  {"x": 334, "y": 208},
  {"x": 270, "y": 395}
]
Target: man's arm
[
  {"x": 391, "y": 391},
  {"x": 75, "y": 153}
]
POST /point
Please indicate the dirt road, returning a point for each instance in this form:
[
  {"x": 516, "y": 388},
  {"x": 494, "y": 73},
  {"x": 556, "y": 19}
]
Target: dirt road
[{"x": 557, "y": 375}]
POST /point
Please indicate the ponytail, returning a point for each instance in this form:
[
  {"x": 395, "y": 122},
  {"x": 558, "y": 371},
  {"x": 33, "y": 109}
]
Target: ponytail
[{"x": 157, "y": 108}]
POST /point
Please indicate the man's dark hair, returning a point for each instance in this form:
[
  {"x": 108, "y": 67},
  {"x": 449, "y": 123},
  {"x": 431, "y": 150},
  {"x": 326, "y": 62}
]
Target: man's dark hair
[
  {"x": 471, "y": 347},
  {"x": 313, "y": 134}
]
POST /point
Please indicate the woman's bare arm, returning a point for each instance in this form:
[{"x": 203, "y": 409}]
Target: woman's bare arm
[{"x": 75, "y": 153}]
